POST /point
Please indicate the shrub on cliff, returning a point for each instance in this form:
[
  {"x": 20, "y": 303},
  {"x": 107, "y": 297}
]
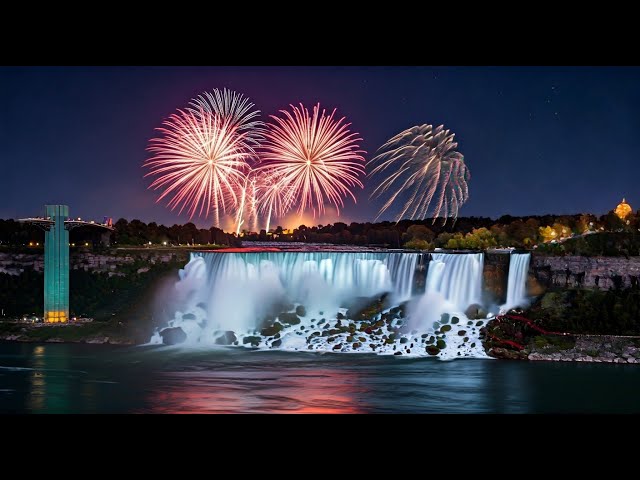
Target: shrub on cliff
[
  {"x": 609, "y": 244},
  {"x": 419, "y": 245},
  {"x": 612, "y": 312}
]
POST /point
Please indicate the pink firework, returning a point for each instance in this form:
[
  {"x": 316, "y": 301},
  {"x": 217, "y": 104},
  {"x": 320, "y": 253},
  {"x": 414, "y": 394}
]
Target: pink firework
[
  {"x": 274, "y": 196},
  {"x": 200, "y": 161},
  {"x": 314, "y": 155}
]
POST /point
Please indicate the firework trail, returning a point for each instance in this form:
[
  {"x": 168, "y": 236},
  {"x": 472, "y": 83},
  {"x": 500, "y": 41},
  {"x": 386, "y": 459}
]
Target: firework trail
[
  {"x": 423, "y": 163},
  {"x": 314, "y": 155},
  {"x": 202, "y": 158},
  {"x": 263, "y": 193},
  {"x": 275, "y": 197},
  {"x": 248, "y": 194}
]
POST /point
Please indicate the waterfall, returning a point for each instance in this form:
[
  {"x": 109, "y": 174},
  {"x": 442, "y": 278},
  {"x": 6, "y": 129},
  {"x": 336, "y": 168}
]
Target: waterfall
[
  {"x": 517, "y": 282},
  {"x": 240, "y": 288},
  {"x": 301, "y": 300},
  {"x": 457, "y": 277}
]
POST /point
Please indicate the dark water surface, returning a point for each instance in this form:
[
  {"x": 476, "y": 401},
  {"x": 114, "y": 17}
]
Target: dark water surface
[{"x": 68, "y": 378}]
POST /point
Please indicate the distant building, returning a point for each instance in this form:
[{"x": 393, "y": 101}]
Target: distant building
[{"x": 623, "y": 210}]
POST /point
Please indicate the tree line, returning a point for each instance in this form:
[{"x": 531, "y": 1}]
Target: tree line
[{"x": 464, "y": 233}]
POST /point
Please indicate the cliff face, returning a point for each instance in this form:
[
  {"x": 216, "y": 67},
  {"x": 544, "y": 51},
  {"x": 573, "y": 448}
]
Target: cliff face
[
  {"x": 584, "y": 272},
  {"x": 14, "y": 264},
  {"x": 495, "y": 277}
]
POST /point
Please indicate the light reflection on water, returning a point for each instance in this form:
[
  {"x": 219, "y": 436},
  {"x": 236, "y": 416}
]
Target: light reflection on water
[
  {"x": 56, "y": 378},
  {"x": 293, "y": 391}
]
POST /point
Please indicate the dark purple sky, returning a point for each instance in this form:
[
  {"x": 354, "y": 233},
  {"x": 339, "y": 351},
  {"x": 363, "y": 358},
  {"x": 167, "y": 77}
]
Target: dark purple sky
[{"x": 536, "y": 139}]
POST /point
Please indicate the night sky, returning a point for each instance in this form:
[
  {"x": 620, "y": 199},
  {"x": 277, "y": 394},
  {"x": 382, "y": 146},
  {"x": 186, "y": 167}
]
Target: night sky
[{"x": 536, "y": 140}]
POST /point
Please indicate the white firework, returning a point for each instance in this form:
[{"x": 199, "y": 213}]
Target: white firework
[
  {"x": 236, "y": 109},
  {"x": 423, "y": 163}
]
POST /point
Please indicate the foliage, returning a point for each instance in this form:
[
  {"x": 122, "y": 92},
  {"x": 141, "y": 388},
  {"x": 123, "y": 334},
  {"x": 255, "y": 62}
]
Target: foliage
[
  {"x": 610, "y": 244},
  {"x": 418, "y": 232},
  {"x": 419, "y": 245},
  {"x": 137, "y": 232},
  {"x": 612, "y": 312},
  {"x": 506, "y": 231},
  {"x": 477, "y": 239},
  {"x": 554, "y": 343},
  {"x": 557, "y": 231}
]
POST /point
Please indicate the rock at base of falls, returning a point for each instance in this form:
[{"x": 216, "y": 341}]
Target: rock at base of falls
[
  {"x": 173, "y": 336},
  {"x": 227, "y": 338}
]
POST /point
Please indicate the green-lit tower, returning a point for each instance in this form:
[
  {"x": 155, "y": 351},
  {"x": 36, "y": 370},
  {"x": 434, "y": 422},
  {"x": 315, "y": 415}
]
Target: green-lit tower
[
  {"x": 56, "y": 224},
  {"x": 56, "y": 265}
]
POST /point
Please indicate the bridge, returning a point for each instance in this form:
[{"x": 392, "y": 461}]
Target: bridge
[{"x": 56, "y": 224}]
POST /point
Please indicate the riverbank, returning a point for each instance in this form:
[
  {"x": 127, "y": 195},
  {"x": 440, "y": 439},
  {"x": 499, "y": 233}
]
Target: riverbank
[
  {"x": 574, "y": 348},
  {"x": 111, "y": 332}
]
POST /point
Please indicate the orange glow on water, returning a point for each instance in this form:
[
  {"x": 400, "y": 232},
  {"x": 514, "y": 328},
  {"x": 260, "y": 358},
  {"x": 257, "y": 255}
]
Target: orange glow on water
[{"x": 291, "y": 391}]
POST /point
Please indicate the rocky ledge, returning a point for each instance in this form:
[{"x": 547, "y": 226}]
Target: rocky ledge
[
  {"x": 512, "y": 340},
  {"x": 589, "y": 348}
]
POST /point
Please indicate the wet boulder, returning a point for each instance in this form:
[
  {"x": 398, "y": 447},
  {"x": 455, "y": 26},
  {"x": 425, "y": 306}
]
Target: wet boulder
[
  {"x": 475, "y": 312},
  {"x": 289, "y": 318},
  {"x": 253, "y": 340},
  {"x": 301, "y": 311},
  {"x": 366, "y": 308},
  {"x": 173, "y": 336},
  {"x": 431, "y": 350},
  {"x": 272, "y": 330},
  {"x": 227, "y": 338}
]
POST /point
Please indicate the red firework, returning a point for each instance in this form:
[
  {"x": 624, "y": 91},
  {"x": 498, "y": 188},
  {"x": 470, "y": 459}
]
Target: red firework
[{"x": 316, "y": 156}]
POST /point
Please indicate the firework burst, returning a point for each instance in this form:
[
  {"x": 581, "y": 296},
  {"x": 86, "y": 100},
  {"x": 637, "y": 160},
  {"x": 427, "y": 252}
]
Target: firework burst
[
  {"x": 426, "y": 166},
  {"x": 316, "y": 156},
  {"x": 202, "y": 158},
  {"x": 237, "y": 109}
]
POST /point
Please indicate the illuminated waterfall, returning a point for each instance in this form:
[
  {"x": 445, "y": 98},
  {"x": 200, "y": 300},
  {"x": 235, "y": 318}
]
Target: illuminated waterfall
[
  {"x": 457, "y": 277},
  {"x": 517, "y": 282}
]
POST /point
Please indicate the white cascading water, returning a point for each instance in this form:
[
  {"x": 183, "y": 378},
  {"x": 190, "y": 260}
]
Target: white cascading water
[
  {"x": 517, "y": 282},
  {"x": 457, "y": 277},
  {"x": 454, "y": 283},
  {"x": 234, "y": 292},
  {"x": 239, "y": 289}
]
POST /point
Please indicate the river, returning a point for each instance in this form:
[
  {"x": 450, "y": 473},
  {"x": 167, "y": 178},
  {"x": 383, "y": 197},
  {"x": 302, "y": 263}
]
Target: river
[{"x": 75, "y": 378}]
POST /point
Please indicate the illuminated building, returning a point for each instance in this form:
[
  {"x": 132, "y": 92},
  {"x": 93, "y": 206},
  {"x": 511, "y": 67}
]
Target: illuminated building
[
  {"x": 623, "y": 210},
  {"x": 56, "y": 265},
  {"x": 56, "y": 224}
]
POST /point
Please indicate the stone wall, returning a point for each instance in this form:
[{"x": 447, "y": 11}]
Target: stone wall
[
  {"x": 15, "y": 263},
  {"x": 584, "y": 272}
]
